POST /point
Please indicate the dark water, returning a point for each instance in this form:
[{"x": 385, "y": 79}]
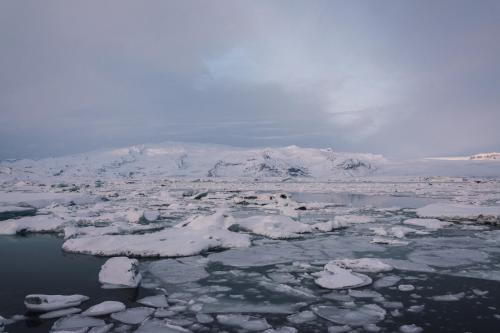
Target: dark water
[
  {"x": 360, "y": 200},
  {"x": 36, "y": 264}
]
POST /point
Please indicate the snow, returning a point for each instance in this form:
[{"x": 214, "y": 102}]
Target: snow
[
  {"x": 133, "y": 316},
  {"x": 245, "y": 322},
  {"x": 365, "y": 265},
  {"x": 191, "y": 237},
  {"x": 46, "y": 303},
  {"x": 120, "y": 272},
  {"x": 460, "y": 212},
  {"x": 39, "y": 223},
  {"x": 104, "y": 308}
]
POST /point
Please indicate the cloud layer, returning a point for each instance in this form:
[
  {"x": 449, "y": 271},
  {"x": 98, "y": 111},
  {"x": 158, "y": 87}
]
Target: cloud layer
[{"x": 406, "y": 78}]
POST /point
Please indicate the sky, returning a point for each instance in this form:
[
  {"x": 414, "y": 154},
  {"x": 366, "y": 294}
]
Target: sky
[{"x": 406, "y": 79}]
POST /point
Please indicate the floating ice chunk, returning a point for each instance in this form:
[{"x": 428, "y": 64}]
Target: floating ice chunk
[
  {"x": 159, "y": 326},
  {"x": 157, "y": 301},
  {"x": 339, "y": 329},
  {"x": 104, "y": 308},
  {"x": 300, "y": 292},
  {"x": 301, "y": 317},
  {"x": 347, "y": 220},
  {"x": 171, "y": 271},
  {"x": 101, "y": 329},
  {"x": 401, "y": 232},
  {"x": 75, "y": 322},
  {"x": 284, "y": 329},
  {"x": 120, "y": 272},
  {"x": 185, "y": 239},
  {"x": 324, "y": 226},
  {"x": 406, "y": 265},
  {"x": 204, "y": 318},
  {"x": 134, "y": 216},
  {"x": 45, "y": 303},
  {"x": 364, "y": 294},
  {"x": 273, "y": 226},
  {"x": 133, "y": 316},
  {"x": 459, "y": 212},
  {"x": 448, "y": 257},
  {"x": 245, "y": 322},
  {"x": 411, "y": 329},
  {"x": 233, "y": 306},
  {"x": 59, "y": 313},
  {"x": 151, "y": 215},
  {"x": 368, "y": 265},
  {"x": 258, "y": 255},
  {"x": 388, "y": 241},
  {"x": 449, "y": 297},
  {"x": 416, "y": 308},
  {"x": 38, "y": 223},
  {"x": 335, "y": 277},
  {"x": 433, "y": 224},
  {"x": 406, "y": 287},
  {"x": 479, "y": 292},
  {"x": 364, "y": 315}
]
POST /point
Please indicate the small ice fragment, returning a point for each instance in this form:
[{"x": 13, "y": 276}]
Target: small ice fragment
[
  {"x": 101, "y": 329},
  {"x": 364, "y": 315},
  {"x": 339, "y": 329},
  {"x": 74, "y": 322},
  {"x": 406, "y": 287},
  {"x": 449, "y": 297},
  {"x": 335, "y": 277},
  {"x": 411, "y": 329},
  {"x": 120, "y": 272},
  {"x": 104, "y": 308},
  {"x": 416, "y": 308},
  {"x": 284, "y": 329},
  {"x": 433, "y": 224},
  {"x": 365, "y": 265}
]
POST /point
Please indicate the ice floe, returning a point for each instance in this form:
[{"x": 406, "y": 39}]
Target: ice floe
[
  {"x": 46, "y": 303},
  {"x": 433, "y": 224},
  {"x": 245, "y": 322},
  {"x": 74, "y": 322},
  {"x": 191, "y": 237},
  {"x": 359, "y": 316},
  {"x": 273, "y": 226},
  {"x": 120, "y": 272},
  {"x": 104, "y": 308},
  {"x": 156, "y": 301},
  {"x": 38, "y": 223},
  {"x": 133, "y": 316},
  {"x": 460, "y": 212},
  {"x": 365, "y": 265},
  {"x": 172, "y": 271},
  {"x": 335, "y": 277},
  {"x": 59, "y": 313}
]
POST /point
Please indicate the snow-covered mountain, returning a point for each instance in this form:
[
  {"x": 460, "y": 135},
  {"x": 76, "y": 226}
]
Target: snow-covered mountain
[
  {"x": 485, "y": 156},
  {"x": 211, "y": 161},
  {"x": 199, "y": 160}
]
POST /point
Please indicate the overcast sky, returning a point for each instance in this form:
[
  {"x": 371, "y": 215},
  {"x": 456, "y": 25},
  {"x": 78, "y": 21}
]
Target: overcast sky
[{"x": 402, "y": 78}]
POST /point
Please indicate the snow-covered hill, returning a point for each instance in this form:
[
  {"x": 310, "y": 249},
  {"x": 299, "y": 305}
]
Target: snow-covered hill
[
  {"x": 198, "y": 160},
  {"x": 210, "y": 161}
]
